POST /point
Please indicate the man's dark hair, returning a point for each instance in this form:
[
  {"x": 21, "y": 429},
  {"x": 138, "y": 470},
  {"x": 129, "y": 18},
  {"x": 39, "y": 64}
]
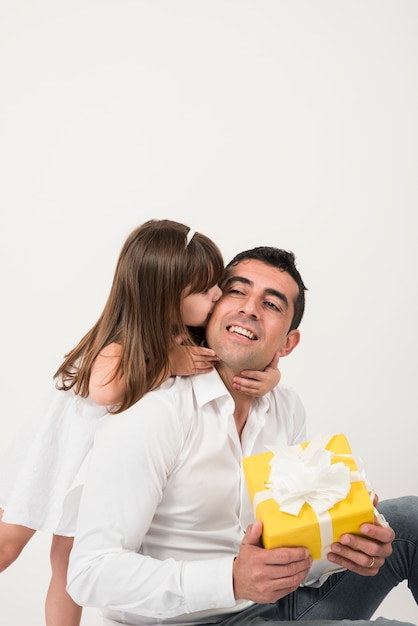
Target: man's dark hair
[{"x": 284, "y": 260}]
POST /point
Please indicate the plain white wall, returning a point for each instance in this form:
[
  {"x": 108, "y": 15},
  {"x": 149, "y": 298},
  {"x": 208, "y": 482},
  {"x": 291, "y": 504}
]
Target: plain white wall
[{"x": 263, "y": 122}]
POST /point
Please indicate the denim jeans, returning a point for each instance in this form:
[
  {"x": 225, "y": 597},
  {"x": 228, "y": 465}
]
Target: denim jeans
[{"x": 346, "y": 596}]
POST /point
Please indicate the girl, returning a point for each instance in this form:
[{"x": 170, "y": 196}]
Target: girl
[{"x": 164, "y": 288}]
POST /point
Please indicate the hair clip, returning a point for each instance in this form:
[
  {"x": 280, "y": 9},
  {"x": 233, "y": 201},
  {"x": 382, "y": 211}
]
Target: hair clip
[{"x": 190, "y": 236}]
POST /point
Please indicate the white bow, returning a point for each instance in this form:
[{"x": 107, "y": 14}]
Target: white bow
[{"x": 307, "y": 475}]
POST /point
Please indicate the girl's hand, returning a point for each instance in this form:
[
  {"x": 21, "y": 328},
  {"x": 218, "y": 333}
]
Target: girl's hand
[
  {"x": 189, "y": 360},
  {"x": 257, "y": 383}
]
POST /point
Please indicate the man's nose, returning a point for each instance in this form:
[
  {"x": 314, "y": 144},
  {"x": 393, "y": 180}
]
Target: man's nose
[{"x": 250, "y": 308}]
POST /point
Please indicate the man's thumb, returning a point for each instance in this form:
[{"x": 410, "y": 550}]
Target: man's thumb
[{"x": 253, "y": 534}]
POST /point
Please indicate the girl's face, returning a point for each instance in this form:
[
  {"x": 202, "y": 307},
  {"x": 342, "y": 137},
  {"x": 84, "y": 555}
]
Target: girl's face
[{"x": 196, "y": 307}]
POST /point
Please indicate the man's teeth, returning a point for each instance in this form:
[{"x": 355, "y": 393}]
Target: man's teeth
[{"x": 242, "y": 331}]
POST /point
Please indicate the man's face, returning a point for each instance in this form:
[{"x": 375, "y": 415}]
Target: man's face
[{"x": 251, "y": 321}]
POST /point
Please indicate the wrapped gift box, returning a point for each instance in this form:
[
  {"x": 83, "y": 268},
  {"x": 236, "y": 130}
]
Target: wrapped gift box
[{"x": 320, "y": 483}]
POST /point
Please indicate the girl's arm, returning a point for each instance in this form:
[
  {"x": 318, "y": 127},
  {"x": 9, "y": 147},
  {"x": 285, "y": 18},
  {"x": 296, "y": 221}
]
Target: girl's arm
[
  {"x": 184, "y": 361},
  {"x": 257, "y": 383},
  {"x": 105, "y": 390}
]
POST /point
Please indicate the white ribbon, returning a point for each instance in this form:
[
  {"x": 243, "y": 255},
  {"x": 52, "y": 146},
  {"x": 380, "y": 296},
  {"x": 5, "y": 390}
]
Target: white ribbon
[{"x": 305, "y": 475}]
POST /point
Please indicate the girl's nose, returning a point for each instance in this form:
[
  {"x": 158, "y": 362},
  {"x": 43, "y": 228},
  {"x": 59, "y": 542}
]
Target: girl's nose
[{"x": 217, "y": 292}]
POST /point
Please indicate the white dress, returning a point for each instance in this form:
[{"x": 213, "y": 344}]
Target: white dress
[{"x": 42, "y": 472}]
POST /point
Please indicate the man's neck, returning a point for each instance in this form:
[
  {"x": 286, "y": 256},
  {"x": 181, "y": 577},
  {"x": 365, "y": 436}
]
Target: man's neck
[
  {"x": 242, "y": 402},
  {"x": 242, "y": 408}
]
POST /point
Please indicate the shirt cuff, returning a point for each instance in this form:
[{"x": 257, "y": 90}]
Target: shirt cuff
[{"x": 208, "y": 584}]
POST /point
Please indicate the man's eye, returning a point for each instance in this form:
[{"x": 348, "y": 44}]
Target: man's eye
[{"x": 271, "y": 305}]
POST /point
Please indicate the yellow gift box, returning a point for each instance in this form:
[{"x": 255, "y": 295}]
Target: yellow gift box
[{"x": 307, "y": 527}]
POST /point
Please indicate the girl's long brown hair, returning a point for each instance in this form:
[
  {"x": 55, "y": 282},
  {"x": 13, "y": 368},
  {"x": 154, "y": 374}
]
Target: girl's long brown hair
[{"x": 143, "y": 310}]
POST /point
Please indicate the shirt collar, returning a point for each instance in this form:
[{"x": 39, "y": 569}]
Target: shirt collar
[{"x": 210, "y": 386}]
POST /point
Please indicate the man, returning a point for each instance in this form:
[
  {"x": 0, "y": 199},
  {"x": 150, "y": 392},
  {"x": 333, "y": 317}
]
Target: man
[{"x": 165, "y": 532}]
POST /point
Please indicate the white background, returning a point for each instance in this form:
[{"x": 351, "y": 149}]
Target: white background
[{"x": 261, "y": 122}]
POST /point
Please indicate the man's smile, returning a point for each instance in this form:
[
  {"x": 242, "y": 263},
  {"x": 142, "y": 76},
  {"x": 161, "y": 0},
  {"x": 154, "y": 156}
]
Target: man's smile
[{"x": 242, "y": 331}]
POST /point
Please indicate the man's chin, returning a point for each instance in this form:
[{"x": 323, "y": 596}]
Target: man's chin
[{"x": 236, "y": 365}]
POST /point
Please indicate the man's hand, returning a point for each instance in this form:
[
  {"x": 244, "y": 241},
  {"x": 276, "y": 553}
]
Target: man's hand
[
  {"x": 364, "y": 555},
  {"x": 265, "y": 576}
]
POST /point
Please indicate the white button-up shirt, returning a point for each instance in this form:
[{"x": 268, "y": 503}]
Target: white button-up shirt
[{"x": 165, "y": 505}]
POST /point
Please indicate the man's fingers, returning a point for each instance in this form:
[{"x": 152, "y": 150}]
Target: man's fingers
[
  {"x": 264, "y": 576},
  {"x": 364, "y": 554},
  {"x": 252, "y": 536}
]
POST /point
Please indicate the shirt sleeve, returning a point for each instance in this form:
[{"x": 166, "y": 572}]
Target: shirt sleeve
[{"x": 133, "y": 456}]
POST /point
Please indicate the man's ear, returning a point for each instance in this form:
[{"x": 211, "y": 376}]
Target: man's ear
[{"x": 292, "y": 341}]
